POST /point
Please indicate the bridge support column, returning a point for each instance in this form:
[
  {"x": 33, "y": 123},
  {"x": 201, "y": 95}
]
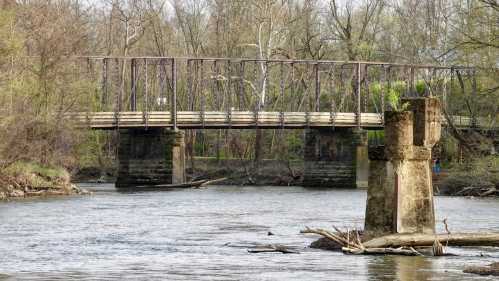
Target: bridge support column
[
  {"x": 150, "y": 156},
  {"x": 400, "y": 193},
  {"x": 335, "y": 158}
]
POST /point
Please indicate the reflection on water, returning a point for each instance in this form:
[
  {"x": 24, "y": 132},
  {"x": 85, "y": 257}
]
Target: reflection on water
[
  {"x": 387, "y": 268},
  {"x": 203, "y": 235}
]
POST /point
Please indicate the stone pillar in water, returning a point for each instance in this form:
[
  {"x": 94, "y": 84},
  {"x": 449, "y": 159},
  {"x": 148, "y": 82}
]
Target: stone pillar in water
[
  {"x": 150, "y": 156},
  {"x": 335, "y": 158},
  {"x": 400, "y": 193}
]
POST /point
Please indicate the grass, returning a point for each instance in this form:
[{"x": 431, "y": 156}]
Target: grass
[
  {"x": 34, "y": 168},
  {"x": 35, "y": 175}
]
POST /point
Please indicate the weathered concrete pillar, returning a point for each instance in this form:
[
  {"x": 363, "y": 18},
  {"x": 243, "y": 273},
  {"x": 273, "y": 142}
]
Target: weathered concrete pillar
[
  {"x": 150, "y": 156},
  {"x": 335, "y": 158},
  {"x": 400, "y": 193},
  {"x": 361, "y": 159}
]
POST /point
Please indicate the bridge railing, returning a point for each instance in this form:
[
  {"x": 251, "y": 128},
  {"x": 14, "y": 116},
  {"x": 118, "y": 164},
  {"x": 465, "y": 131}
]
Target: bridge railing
[{"x": 226, "y": 87}]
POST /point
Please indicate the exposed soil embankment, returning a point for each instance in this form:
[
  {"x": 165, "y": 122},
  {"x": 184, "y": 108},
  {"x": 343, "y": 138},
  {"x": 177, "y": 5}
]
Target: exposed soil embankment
[
  {"x": 246, "y": 172},
  {"x": 479, "y": 177},
  {"x": 31, "y": 180}
]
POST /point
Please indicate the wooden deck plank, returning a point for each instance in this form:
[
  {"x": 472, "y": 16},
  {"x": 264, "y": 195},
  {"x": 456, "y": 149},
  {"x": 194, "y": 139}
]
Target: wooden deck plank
[{"x": 238, "y": 119}]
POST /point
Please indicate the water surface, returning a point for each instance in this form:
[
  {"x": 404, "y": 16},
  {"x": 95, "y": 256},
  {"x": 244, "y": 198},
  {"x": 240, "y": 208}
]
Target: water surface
[{"x": 203, "y": 234}]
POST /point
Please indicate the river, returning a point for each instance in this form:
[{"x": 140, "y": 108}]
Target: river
[{"x": 203, "y": 234}]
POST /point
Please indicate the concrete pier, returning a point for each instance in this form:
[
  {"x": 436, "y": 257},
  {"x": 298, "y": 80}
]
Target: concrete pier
[
  {"x": 150, "y": 156},
  {"x": 336, "y": 158},
  {"x": 400, "y": 193}
]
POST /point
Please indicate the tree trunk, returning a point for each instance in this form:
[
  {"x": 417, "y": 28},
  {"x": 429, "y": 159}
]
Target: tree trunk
[{"x": 414, "y": 240}]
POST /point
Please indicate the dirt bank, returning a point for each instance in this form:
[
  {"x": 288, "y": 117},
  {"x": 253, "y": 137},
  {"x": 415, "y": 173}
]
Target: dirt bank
[
  {"x": 477, "y": 177},
  {"x": 31, "y": 180},
  {"x": 245, "y": 172}
]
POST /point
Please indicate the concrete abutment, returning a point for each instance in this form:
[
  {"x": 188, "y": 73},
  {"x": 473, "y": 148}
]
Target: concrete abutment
[
  {"x": 336, "y": 158},
  {"x": 150, "y": 156}
]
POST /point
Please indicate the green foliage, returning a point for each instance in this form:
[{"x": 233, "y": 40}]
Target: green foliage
[
  {"x": 375, "y": 88},
  {"x": 36, "y": 175},
  {"x": 376, "y": 137},
  {"x": 399, "y": 86},
  {"x": 392, "y": 94},
  {"x": 393, "y": 98},
  {"x": 31, "y": 167},
  {"x": 420, "y": 87}
]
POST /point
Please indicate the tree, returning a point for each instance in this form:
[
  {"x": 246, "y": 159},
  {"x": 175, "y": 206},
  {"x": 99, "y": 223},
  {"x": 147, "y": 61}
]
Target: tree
[{"x": 354, "y": 26}]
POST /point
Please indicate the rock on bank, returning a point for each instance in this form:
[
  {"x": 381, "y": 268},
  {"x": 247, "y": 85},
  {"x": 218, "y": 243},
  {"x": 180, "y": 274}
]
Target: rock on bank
[{"x": 32, "y": 180}]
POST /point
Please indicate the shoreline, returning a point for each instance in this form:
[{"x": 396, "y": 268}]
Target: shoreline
[{"x": 29, "y": 180}]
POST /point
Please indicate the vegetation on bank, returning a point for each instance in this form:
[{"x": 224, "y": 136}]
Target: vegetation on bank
[
  {"x": 475, "y": 177},
  {"x": 28, "y": 179}
]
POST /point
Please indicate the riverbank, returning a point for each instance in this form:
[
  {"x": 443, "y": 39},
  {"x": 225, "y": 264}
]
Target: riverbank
[
  {"x": 23, "y": 180},
  {"x": 269, "y": 172},
  {"x": 478, "y": 177}
]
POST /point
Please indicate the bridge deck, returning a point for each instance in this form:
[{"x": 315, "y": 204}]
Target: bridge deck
[{"x": 238, "y": 119}]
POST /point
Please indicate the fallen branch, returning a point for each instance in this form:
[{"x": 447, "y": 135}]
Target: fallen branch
[
  {"x": 383, "y": 251},
  {"x": 193, "y": 184},
  {"x": 417, "y": 240},
  {"x": 491, "y": 191},
  {"x": 272, "y": 248},
  {"x": 334, "y": 237},
  {"x": 403, "y": 244},
  {"x": 208, "y": 182}
]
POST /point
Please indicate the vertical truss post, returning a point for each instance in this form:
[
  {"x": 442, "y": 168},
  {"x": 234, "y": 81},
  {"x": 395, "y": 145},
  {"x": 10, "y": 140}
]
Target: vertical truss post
[
  {"x": 292, "y": 79},
  {"x": 201, "y": 92},
  {"x": 412, "y": 82},
  {"x": 241, "y": 83},
  {"x": 332, "y": 108},
  {"x": 218, "y": 102},
  {"x": 189, "y": 85},
  {"x": 105, "y": 69},
  {"x": 120, "y": 90},
  {"x": 162, "y": 82},
  {"x": 146, "y": 94},
  {"x": 366, "y": 83},
  {"x": 450, "y": 92},
  {"x": 317, "y": 88},
  {"x": 383, "y": 82},
  {"x": 229, "y": 94},
  {"x": 474, "y": 92},
  {"x": 174, "y": 95},
  {"x": 358, "y": 109},
  {"x": 133, "y": 82},
  {"x": 281, "y": 94},
  {"x": 256, "y": 108}
]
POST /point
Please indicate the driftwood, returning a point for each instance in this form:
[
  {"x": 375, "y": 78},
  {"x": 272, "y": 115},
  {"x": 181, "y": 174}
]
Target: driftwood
[
  {"x": 208, "y": 182},
  {"x": 340, "y": 237},
  {"x": 272, "y": 248},
  {"x": 417, "y": 240},
  {"x": 383, "y": 251},
  {"x": 404, "y": 244},
  {"x": 351, "y": 243},
  {"x": 192, "y": 184}
]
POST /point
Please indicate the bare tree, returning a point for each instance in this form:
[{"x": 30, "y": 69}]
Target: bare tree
[{"x": 353, "y": 23}]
